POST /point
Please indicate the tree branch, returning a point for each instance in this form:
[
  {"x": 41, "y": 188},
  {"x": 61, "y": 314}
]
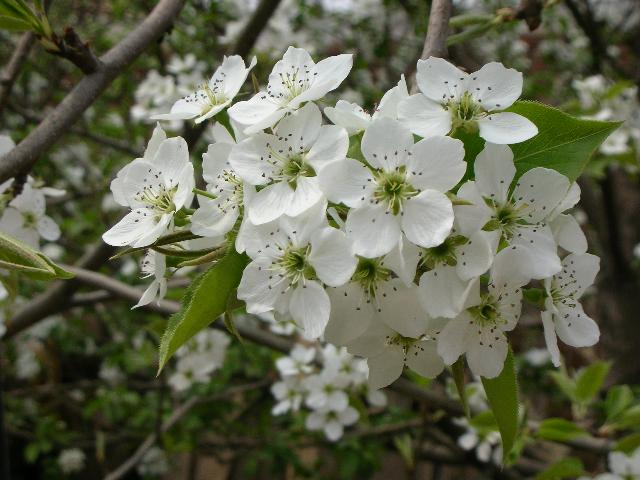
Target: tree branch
[
  {"x": 435, "y": 44},
  {"x": 22, "y": 158},
  {"x": 175, "y": 417},
  {"x": 11, "y": 71}
]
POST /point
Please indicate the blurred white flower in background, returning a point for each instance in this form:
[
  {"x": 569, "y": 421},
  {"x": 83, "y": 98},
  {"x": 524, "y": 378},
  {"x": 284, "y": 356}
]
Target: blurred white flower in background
[{"x": 71, "y": 460}]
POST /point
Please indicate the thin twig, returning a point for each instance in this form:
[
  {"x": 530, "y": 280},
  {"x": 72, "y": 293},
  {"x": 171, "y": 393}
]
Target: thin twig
[
  {"x": 11, "y": 71},
  {"x": 435, "y": 43},
  {"x": 175, "y": 417},
  {"x": 24, "y": 156}
]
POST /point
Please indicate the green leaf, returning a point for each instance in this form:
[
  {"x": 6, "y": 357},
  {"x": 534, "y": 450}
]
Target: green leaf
[
  {"x": 205, "y": 300},
  {"x": 502, "y": 393},
  {"x": 569, "y": 467},
  {"x": 619, "y": 398},
  {"x": 473, "y": 145},
  {"x": 457, "y": 370},
  {"x": 484, "y": 422},
  {"x": 564, "y": 383},
  {"x": 14, "y": 24},
  {"x": 560, "y": 430},
  {"x": 630, "y": 418},
  {"x": 19, "y": 257},
  {"x": 628, "y": 444},
  {"x": 564, "y": 143},
  {"x": 589, "y": 381}
]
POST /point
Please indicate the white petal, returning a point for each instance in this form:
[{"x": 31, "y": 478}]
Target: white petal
[
  {"x": 568, "y": 234},
  {"x": 333, "y": 430},
  {"x": 578, "y": 273},
  {"x": 374, "y": 231},
  {"x": 471, "y": 218},
  {"x": 452, "y": 340},
  {"x": 428, "y": 218},
  {"x": 306, "y": 195},
  {"x": 385, "y": 143},
  {"x": 495, "y": 87},
  {"x": 385, "y": 368},
  {"x": 259, "y": 287},
  {"x": 398, "y": 306},
  {"x": 157, "y": 137},
  {"x": 332, "y": 145},
  {"x": 373, "y": 341},
  {"x": 576, "y": 328},
  {"x": 300, "y": 129},
  {"x": 270, "y": 203},
  {"x": 488, "y": 361},
  {"x": 423, "y": 358},
  {"x": 330, "y": 73},
  {"x": 260, "y": 112},
  {"x": 134, "y": 225},
  {"x": 347, "y": 181},
  {"x": 388, "y": 106},
  {"x": 350, "y": 314},
  {"x": 186, "y": 182},
  {"x": 149, "y": 294},
  {"x": 348, "y": 115},
  {"x": 310, "y": 307},
  {"x": 348, "y": 416},
  {"x": 315, "y": 421},
  {"x": 440, "y": 80},
  {"x": 212, "y": 219},
  {"x": 48, "y": 229},
  {"x": 506, "y": 128},
  {"x": 171, "y": 158},
  {"x": 403, "y": 260},
  {"x": 436, "y": 163},
  {"x": 494, "y": 171},
  {"x": 474, "y": 257},
  {"x": 250, "y": 159},
  {"x": 443, "y": 293},
  {"x": 538, "y": 192},
  {"x": 424, "y": 117},
  {"x": 550, "y": 337},
  {"x": 233, "y": 74},
  {"x": 215, "y": 161},
  {"x": 331, "y": 257}
]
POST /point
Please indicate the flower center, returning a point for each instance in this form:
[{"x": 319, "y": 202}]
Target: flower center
[
  {"x": 295, "y": 264},
  {"x": 506, "y": 218},
  {"x": 160, "y": 199},
  {"x": 487, "y": 314},
  {"x": 214, "y": 97},
  {"x": 369, "y": 274},
  {"x": 30, "y": 220},
  {"x": 292, "y": 83},
  {"x": 295, "y": 167},
  {"x": 443, "y": 254},
  {"x": 393, "y": 189},
  {"x": 465, "y": 112}
]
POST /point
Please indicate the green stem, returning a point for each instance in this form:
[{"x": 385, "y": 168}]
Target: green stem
[{"x": 204, "y": 193}]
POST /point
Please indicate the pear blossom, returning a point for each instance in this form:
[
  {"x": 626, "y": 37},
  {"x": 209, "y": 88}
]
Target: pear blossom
[
  {"x": 332, "y": 422},
  {"x": 479, "y": 331},
  {"x": 487, "y": 445},
  {"x": 284, "y": 165},
  {"x": 622, "y": 466},
  {"x": 355, "y": 119},
  {"x": 327, "y": 390},
  {"x": 155, "y": 187},
  {"x": 26, "y": 220},
  {"x": 451, "y": 99},
  {"x": 289, "y": 393},
  {"x": 212, "y": 97},
  {"x": 297, "y": 362},
  {"x": 454, "y": 267},
  {"x": 516, "y": 217},
  {"x": 387, "y": 352},
  {"x": 154, "y": 463},
  {"x": 401, "y": 191},
  {"x": 154, "y": 265},
  {"x": 294, "y": 80},
  {"x": 71, "y": 460},
  {"x": 565, "y": 227},
  {"x": 563, "y": 315},
  {"x": 293, "y": 258},
  {"x": 218, "y": 214},
  {"x": 380, "y": 288}
]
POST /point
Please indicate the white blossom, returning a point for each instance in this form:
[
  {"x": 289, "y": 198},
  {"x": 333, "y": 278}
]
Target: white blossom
[
  {"x": 453, "y": 99},
  {"x": 155, "y": 187},
  {"x": 564, "y": 316},
  {"x": 154, "y": 265},
  {"x": 285, "y": 165},
  {"x": 297, "y": 362},
  {"x": 212, "y": 97},
  {"x": 294, "y": 80},
  {"x": 71, "y": 460},
  {"x": 332, "y": 422},
  {"x": 402, "y": 191},
  {"x": 154, "y": 462}
]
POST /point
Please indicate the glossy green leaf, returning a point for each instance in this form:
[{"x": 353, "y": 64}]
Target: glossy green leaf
[
  {"x": 560, "y": 430},
  {"x": 589, "y": 381},
  {"x": 564, "y": 143},
  {"x": 14, "y": 24},
  {"x": 19, "y": 257},
  {"x": 502, "y": 393},
  {"x": 628, "y": 444},
  {"x": 205, "y": 300},
  {"x": 569, "y": 467}
]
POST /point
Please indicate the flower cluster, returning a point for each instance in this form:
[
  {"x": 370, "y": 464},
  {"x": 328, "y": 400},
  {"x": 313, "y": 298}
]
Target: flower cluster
[
  {"x": 199, "y": 359},
  {"x": 373, "y": 232},
  {"x": 23, "y": 215},
  {"x": 325, "y": 383},
  {"x": 622, "y": 467}
]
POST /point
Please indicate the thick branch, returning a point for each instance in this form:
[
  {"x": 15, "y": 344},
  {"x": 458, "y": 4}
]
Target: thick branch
[
  {"x": 11, "y": 71},
  {"x": 435, "y": 44},
  {"x": 22, "y": 158}
]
